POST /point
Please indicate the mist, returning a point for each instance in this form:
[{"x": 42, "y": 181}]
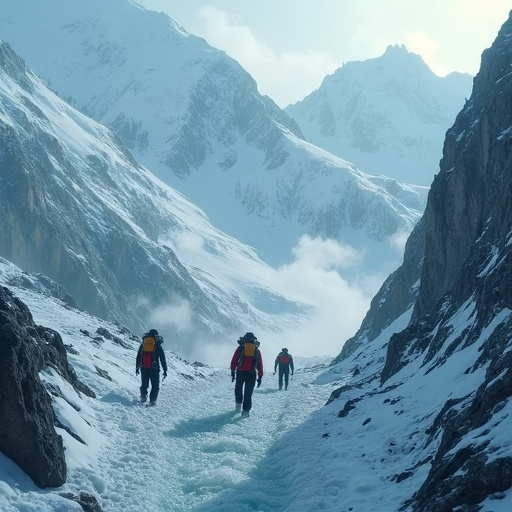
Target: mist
[{"x": 322, "y": 273}]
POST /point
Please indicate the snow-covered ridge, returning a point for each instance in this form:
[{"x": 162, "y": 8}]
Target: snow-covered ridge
[
  {"x": 194, "y": 117},
  {"x": 387, "y": 115}
]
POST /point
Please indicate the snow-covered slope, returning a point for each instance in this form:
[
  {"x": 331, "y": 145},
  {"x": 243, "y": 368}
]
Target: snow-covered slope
[
  {"x": 369, "y": 449},
  {"x": 76, "y": 207},
  {"x": 386, "y": 115},
  {"x": 195, "y": 118}
]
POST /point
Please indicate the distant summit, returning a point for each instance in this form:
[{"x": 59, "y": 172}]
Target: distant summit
[
  {"x": 398, "y": 55},
  {"x": 387, "y": 115}
]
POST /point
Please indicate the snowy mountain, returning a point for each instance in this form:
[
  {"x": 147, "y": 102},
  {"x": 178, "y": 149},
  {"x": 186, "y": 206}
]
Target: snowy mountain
[
  {"x": 77, "y": 208},
  {"x": 413, "y": 416},
  {"x": 194, "y": 117},
  {"x": 417, "y": 408},
  {"x": 386, "y": 115}
]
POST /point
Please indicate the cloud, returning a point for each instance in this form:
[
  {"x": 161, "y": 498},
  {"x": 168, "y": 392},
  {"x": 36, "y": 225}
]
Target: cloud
[
  {"x": 266, "y": 65},
  {"x": 316, "y": 275},
  {"x": 184, "y": 336},
  {"x": 187, "y": 242},
  {"x": 176, "y": 317},
  {"x": 398, "y": 240}
]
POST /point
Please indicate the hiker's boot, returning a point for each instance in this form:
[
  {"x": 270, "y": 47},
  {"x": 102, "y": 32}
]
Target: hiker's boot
[
  {"x": 152, "y": 403},
  {"x": 245, "y": 414},
  {"x": 238, "y": 407},
  {"x": 143, "y": 398}
]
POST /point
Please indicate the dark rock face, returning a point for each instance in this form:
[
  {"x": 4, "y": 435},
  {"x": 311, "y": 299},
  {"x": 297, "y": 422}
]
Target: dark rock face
[
  {"x": 471, "y": 195},
  {"x": 88, "y": 502},
  {"x": 27, "y": 432},
  {"x": 395, "y": 297},
  {"x": 468, "y": 266},
  {"x": 464, "y": 297}
]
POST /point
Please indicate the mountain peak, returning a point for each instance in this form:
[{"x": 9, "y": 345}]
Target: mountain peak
[
  {"x": 387, "y": 115},
  {"x": 397, "y": 49},
  {"x": 399, "y": 55}
]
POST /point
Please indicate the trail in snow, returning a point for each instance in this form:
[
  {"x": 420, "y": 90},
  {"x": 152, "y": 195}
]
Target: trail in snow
[{"x": 192, "y": 452}]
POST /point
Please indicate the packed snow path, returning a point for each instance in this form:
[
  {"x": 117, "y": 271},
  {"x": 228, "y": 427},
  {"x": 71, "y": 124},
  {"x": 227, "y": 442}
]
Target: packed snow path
[{"x": 193, "y": 452}]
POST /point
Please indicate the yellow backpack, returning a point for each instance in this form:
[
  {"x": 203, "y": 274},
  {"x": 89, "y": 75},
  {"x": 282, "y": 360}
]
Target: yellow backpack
[
  {"x": 148, "y": 350},
  {"x": 249, "y": 349}
]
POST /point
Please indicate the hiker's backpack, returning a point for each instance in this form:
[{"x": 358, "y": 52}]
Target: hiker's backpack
[
  {"x": 148, "y": 352},
  {"x": 248, "y": 349},
  {"x": 284, "y": 358}
]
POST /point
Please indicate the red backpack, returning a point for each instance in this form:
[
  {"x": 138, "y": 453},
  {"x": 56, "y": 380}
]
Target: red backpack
[{"x": 284, "y": 358}]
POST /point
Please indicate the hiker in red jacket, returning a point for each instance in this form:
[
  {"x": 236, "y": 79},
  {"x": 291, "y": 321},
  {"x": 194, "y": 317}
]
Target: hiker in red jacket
[
  {"x": 285, "y": 362},
  {"x": 247, "y": 369}
]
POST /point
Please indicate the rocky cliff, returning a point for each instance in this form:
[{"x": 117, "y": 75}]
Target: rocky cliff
[
  {"x": 27, "y": 431},
  {"x": 462, "y": 302}
]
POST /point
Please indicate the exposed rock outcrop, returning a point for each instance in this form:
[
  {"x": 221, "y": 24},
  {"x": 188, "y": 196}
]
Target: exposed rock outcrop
[
  {"x": 88, "y": 502},
  {"x": 27, "y": 432}
]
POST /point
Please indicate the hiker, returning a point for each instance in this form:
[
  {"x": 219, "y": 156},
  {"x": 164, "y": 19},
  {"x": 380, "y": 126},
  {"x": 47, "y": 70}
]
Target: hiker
[
  {"x": 149, "y": 357},
  {"x": 285, "y": 362},
  {"x": 247, "y": 370}
]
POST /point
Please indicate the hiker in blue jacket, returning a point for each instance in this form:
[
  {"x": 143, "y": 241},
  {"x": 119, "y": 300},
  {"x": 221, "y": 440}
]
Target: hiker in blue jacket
[
  {"x": 285, "y": 361},
  {"x": 149, "y": 357}
]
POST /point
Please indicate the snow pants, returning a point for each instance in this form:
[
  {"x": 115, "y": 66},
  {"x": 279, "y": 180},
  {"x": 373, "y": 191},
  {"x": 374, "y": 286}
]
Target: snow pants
[
  {"x": 244, "y": 386},
  {"x": 147, "y": 375},
  {"x": 284, "y": 372}
]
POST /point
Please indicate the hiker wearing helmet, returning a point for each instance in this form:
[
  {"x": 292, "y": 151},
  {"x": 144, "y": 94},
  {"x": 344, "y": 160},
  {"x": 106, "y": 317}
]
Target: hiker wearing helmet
[
  {"x": 148, "y": 360},
  {"x": 247, "y": 370},
  {"x": 285, "y": 362}
]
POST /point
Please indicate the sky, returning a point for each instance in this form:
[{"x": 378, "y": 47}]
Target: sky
[
  {"x": 289, "y": 47},
  {"x": 194, "y": 453}
]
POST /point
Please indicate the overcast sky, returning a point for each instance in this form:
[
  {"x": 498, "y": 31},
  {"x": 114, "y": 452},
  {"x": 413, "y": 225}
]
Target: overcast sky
[{"x": 289, "y": 46}]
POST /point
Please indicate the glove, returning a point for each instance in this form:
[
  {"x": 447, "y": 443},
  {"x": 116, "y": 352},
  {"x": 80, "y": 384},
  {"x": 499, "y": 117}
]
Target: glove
[
  {"x": 274, "y": 372},
  {"x": 165, "y": 375},
  {"x": 136, "y": 371},
  {"x": 259, "y": 383},
  {"x": 232, "y": 376}
]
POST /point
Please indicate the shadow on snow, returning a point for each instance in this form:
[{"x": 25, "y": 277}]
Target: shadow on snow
[{"x": 190, "y": 427}]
